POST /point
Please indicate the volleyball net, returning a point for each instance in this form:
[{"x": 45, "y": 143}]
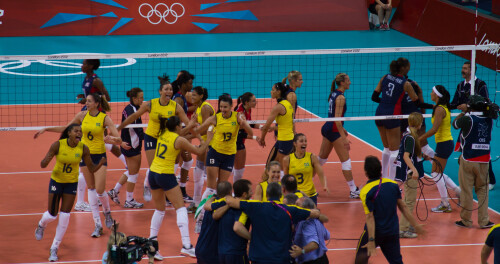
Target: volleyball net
[{"x": 41, "y": 90}]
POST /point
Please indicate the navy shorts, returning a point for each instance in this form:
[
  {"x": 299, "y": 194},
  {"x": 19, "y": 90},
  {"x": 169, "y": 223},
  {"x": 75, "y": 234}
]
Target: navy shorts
[
  {"x": 328, "y": 133},
  {"x": 284, "y": 147},
  {"x": 149, "y": 142},
  {"x": 388, "y": 244},
  {"x": 240, "y": 145},
  {"x": 387, "y": 123},
  {"x": 132, "y": 152},
  {"x": 95, "y": 159},
  {"x": 222, "y": 161},
  {"x": 444, "y": 149},
  {"x": 162, "y": 180},
  {"x": 233, "y": 259},
  {"x": 61, "y": 188},
  {"x": 315, "y": 199}
]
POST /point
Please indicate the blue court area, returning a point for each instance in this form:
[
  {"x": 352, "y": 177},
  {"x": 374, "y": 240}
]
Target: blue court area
[{"x": 237, "y": 75}]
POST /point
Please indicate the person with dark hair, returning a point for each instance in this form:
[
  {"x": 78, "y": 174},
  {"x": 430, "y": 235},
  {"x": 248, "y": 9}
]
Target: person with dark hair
[
  {"x": 92, "y": 83},
  {"x": 289, "y": 185},
  {"x": 380, "y": 198},
  {"x": 271, "y": 174},
  {"x": 304, "y": 165},
  {"x": 383, "y": 9},
  {"x": 163, "y": 182},
  {"x": 94, "y": 122},
  {"x": 309, "y": 243},
  {"x": 334, "y": 133},
  {"x": 441, "y": 129},
  {"x": 233, "y": 226},
  {"x": 134, "y": 137},
  {"x": 491, "y": 243},
  {"x": 244, "y": 105},
  {"x": 69, "y": 152},
  {"x": 272, "y": 225},
  {"x": 158, "y": 107},
  {"x": 207, "y": 244},
  {"x": 392, "y": 86},
  {"x": 181, "y": 86},
  {"x": 204, "y": 110},
  {"x": 283, "y": 113},
  {"x": 475, "y": 126},
  {"x": 220, "y": 156},
  {"x": 460, "y": 99}
]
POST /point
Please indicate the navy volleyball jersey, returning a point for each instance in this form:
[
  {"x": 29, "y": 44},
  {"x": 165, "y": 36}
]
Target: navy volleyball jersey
[
  {"x": 332, "y": 105},
  {"x": 476, "y": 142},
  {"x": 290, "y": 90},
  {"x": 231, "y": 243},
  {"x": 133, "y": 136},
  {"x": 87, "y": 85},
  {"x": 185, "y": 105},
  {"x": 271, "y": 229},
  {"x": 392, "y": 95},
  {"x": 492, "y": 240},
  {"x": 407, "y": 105},
  {"x": 206, "y": 246},
  {"x": 407, "y": 145}
]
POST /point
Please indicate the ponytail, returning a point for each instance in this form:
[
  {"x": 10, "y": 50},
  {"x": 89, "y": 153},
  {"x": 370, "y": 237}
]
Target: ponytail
[
  {"x": 169, "y": 123},
  {"x": 415, "y": 120},
  {"x": 163, "y": 80},
  {"x": 338, "y": 79}
]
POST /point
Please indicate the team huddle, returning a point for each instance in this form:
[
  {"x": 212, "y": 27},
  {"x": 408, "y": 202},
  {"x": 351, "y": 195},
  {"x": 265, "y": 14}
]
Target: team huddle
[{"x": 279, "y": 213}]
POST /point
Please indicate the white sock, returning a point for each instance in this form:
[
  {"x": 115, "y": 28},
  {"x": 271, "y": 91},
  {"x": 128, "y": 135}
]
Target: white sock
[
  {"x": 130, "y": 196},
  {"x": 103, "y": 197},
  {"x": 441, "y": 187},
  {"x": 238, "y": 174},
  {"x": 61, "y": 229},
  {"x": 183, "y": 224},
  {"x": 322, "y": 161},
  {"x": 46, "y": 218},
  {"x": 450, "y": 184},
  {"x": 182, "y": 184},
  {"x": 208, "y": 192},
  {"x": 94, "y": 206},
  {"x": 122, "y": 159},
  {"x": 198, "y": 182},
  {"x": 386, "y": 154},
  {"x": 392, "y": 166},
  {"x": 156, "y": 221},
  {"x": 176, "y": 167},
  {"x": 117, "y": 188},
  {"x": 352, "y": 185},
  {"x": 146, "y": 180},
  {"x": 82, "y": 185}
]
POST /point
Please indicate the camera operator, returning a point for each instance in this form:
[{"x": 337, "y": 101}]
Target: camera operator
[
  {"x": 124, "y": 250},
  {"x": 475, "y": 123}
]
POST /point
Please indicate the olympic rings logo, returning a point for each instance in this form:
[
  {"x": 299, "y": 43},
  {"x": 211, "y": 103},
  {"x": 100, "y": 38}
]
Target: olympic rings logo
[
  {"x": 7, "y": 67},
  {"x": 159, "y": 16}
]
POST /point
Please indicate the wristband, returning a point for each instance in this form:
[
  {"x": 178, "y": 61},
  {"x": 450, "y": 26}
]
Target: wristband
[
  {"x": 303, "y": 251},
  {"x": 254, "y": 137},
  {"x": 261, "y": 126},
  {"x": 210, "y": 128}
]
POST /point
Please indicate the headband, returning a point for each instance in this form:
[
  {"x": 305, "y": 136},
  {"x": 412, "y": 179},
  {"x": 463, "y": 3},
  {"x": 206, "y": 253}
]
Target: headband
[{"x": 434, "y": 89}]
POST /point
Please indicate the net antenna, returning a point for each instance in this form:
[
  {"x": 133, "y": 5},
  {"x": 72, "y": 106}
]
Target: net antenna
[{"x": 473, "y": 56}]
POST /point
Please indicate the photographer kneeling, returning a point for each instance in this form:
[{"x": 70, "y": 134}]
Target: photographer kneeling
[
  {"x": 125, "y": 250},
  {"x": 475, "y": 124}
]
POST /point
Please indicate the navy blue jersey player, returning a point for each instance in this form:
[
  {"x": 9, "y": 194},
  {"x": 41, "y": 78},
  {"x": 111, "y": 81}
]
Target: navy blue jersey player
[{"x": 393, "y": 88}]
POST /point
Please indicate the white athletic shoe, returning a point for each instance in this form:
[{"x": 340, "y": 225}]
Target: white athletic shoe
[
  {"x": 147, "y": 194},
  {"x": 133, "y": 204},
  {"x": 97, "y": 231},
  {"x": 108, "y": 220},
  {"x": 39, "y": 232},
  {"x": 491, "y": 186},
  {"x": 158, "y": 256},
  {"x": 84, "y": 207},
  {"x": 114, "y": 196},
  {"x": 53, "y": 255},
  {"x": 355, "y": 194},
  {"x": 188, "y": 251}
]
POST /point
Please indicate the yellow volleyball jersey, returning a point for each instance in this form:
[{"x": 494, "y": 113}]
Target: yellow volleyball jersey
[
  {"x": 264, "y": 185},
  {"x": 200, "y": 119},
  {"x": 285, "y": 122},
  {"x": 226, "y": 133},
  {"x": 93, "y": 132},
  {"x": 157, "y": 111},
  {"x": 165, "y": 153},
  {"x": 303, "y": 171},
  {"x": 67, "y": 162},
  {"x": 444, "y": 131}
]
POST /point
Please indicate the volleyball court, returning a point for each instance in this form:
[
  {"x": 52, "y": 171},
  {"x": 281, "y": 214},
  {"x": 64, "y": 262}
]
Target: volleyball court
[{"x": 24, "y": 195}]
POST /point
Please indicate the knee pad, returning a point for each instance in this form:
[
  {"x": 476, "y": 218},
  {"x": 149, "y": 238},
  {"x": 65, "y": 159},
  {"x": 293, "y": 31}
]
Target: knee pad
[
  {"x": 346, "y": 165},
  {"x": 200, "y": 165},
  {"x": 322, "y": 161},
  {"x": 132, "y": 178},
  {"x": 428, "y": 151},
  {"x": 108, "y": 146},
  {"x": 394, "y": 154},
  {"x": 386, "y": 151},
  {"x": 187, "y": 165}
]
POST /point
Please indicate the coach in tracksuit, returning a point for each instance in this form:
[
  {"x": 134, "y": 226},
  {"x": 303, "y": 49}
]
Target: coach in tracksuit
[{"x": 475, "y": 140}]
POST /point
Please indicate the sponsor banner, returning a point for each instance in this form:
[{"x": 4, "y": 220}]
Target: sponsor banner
[
  {"x": 138, "y": 17},
  {"x": 424, "y": 20}
]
